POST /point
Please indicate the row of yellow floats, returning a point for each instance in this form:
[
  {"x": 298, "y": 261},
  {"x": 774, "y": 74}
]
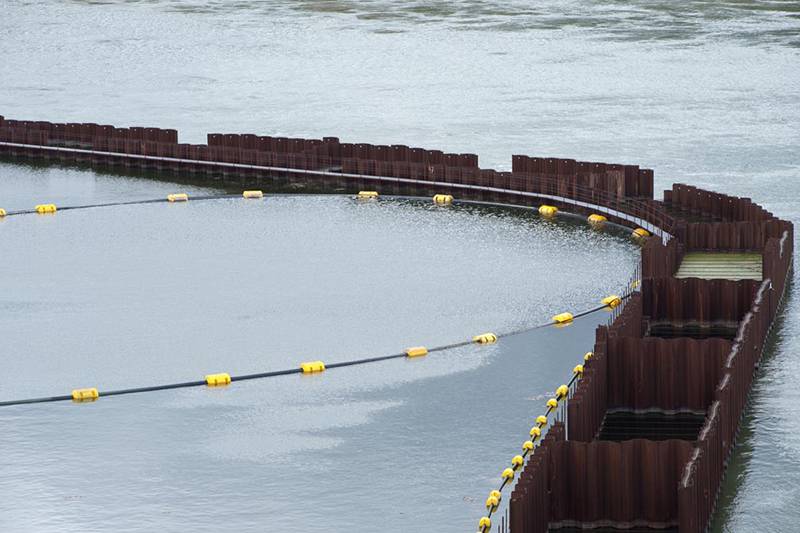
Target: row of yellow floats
[
  {"x": 595, "y": 220},
  {"x": 547, "y": 211},
  {"x": 315, "y": 367},
  {"x": 183, "y": 197},
  {"x": 517, "y": 462},
  {"x": 41, "y": 209},
  {"x": 223, "y": 379},
  {"x": 44, "y": 209}
]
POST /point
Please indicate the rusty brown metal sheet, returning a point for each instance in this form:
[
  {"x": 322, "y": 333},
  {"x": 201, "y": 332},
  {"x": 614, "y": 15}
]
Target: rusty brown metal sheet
[
  {"x": 616, "y": 484},
  {"x": 664, "y": 374},
  {"x": 695, "y": 299}
]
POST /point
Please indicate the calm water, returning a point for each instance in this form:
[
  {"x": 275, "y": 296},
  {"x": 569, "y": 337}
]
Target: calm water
[
  {"x": 148, "y": 294},
  {"x": 704, "y": 92}
]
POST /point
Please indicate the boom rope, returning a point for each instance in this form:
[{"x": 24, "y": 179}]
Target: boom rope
[
  {"x": 562, "y": 393},
  {"x": 93, "y": 394}
]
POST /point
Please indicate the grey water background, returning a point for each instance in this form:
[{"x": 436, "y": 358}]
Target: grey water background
[{"x": 704, "y": 92}]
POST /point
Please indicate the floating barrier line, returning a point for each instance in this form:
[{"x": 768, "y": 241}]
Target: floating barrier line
[
  {"x": 132, "y": 202},
  {"x": 562, "y": 393},
  {"x": 286, "y": 372}
]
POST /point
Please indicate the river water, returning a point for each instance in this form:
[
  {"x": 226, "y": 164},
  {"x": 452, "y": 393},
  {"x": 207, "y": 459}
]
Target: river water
[{"x": 703, "y": 92}]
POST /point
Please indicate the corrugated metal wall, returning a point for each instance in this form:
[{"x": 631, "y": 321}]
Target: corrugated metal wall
[{"x": 593, "y": 483}]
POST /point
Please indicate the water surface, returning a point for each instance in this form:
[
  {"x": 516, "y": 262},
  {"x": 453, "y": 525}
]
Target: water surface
[{"x": 703, "y": 92}]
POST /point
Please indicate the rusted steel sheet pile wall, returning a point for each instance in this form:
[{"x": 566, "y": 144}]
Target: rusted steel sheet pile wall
[
  {"x": 573, "y": 479},
  {"x": 640, "y": 492},
  {"x": 777, "y": 259},
  {"x": 263, "y": 150},
  {"x": 696, "y": 300},
  {"x": 703, "y": 474},
  {"x": 532, "y": 490},
  {"x": 713, "y": 206},
  {"x": 665, "y": 374},
  {"x": 617, "y": 180},
  {"x": 401, "y": 161},
  {"x": 661, "y": 260},
  {"x": 588, "y": 405},
  {"x": 728, "y": 236},
  {"x": 635, "y": 372},
  {"x": 237, "y": 149},
  {"x": 725, "y": 222},
  {"x": 626, "y": 188}
]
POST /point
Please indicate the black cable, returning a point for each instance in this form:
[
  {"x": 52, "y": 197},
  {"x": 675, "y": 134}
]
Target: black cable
[
  {"x": 135, "y": 390},
  {"x": 36, "y": 400},
  {"x": 285, "y": 372},
  {"x": 133, "y": 202}
]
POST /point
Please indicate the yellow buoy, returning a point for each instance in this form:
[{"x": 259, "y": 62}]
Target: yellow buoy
[
  {"x": 492, "y": 503},
  {"x": 2, "y": 213},
  {"x": 218, "y": 380},
  {"x": 548, "y": 210},
  {"x": 85, "y": 395},
  {"x": 46, "y": 208},
  {"x": 541, "y": 420},
  {"x": 253, "y": 194},
  {"x": 178, "y": 197},
  {"x": 612, "y": 301},
  {"x": 416, "y": 351},
  {"x": 596, "y": 220},
  {"x": 640, "y": 234},
  {"x": 442, "y": 199},
  {"x": 562, "y": 392},
  {"x": 367, "y": 195},
  {"x": 563, "y": 318},
  {"x": 311, "y": 367},
  {"x": 485, "y": 338}
]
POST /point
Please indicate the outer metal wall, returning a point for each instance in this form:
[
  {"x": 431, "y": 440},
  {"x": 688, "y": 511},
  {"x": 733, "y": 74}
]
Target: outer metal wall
[
  {"x": 692, "y": 299},
  {"x": 616, "y": 484},
  {"x": 670, "y": 375}
]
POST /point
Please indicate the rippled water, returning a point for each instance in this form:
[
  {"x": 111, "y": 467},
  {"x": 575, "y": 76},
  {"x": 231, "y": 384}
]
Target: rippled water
[{"x": 704, "y": 92}]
